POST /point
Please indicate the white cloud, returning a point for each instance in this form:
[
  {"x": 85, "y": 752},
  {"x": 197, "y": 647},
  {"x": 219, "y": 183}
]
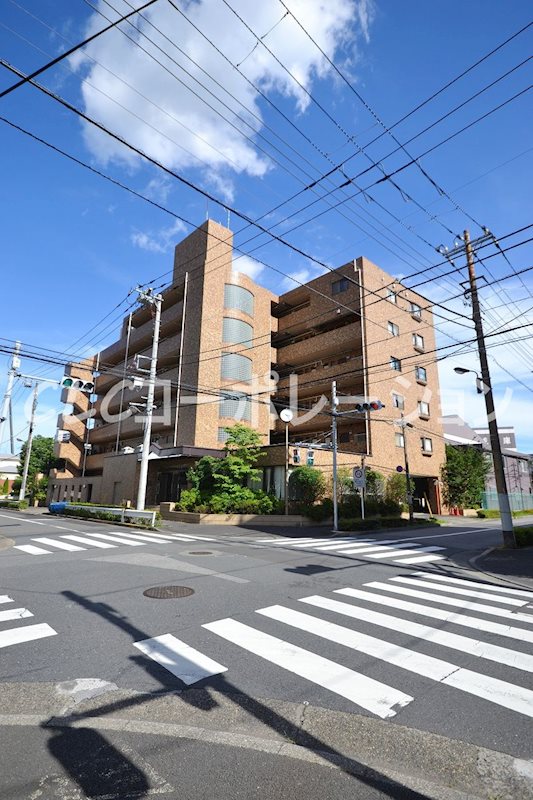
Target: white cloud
[
  {"x": 177, "y": 127},
  {"x": 248, "y": 266},
  {"x": 294, "y": 279},
  {"x": 159, "y": 242}
]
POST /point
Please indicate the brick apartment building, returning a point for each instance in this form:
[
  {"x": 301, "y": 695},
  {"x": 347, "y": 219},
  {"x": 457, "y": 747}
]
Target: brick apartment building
[{"x": 222, "y": 333}]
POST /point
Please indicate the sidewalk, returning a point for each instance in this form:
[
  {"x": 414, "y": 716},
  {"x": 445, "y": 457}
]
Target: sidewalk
[{"x": 515, "y": 566}]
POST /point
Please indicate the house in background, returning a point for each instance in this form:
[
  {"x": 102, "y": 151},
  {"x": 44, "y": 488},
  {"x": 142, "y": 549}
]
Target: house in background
[
  {"x": 516, "y": 464},
  {"x": 9, "y": 464}
]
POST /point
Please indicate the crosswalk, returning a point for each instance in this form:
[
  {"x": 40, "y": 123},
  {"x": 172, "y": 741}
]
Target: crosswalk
[
  {"x": 84, "y": 540},
  {"x": 357, "y": 628},
  {"x": 21, "y": 633},
  {"x": 397, "y": 550}
]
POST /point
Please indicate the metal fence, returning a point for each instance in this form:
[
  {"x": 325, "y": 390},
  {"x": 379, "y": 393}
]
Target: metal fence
[{"x": 518, "y": 501}]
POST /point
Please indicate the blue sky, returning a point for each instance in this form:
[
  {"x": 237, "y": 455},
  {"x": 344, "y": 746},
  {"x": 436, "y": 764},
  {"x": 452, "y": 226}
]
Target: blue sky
[{"x": 73, "y": 245}]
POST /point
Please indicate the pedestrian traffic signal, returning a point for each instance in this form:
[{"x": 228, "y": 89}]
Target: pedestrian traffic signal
[
  {"x": 310, "y": 458},
  {"x": 67, "y": 382},
  {"x": 373, "y": 405},
  {"x": 295, "y": 456}
]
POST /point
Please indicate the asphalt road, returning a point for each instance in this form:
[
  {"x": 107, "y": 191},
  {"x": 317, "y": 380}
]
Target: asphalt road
[{"x": 353, "y": 634}]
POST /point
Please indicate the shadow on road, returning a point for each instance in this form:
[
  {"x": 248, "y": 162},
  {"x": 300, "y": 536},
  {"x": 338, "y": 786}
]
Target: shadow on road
[
  {"x": 95, "y": 765},
  {"x": 88, "y": 770}
]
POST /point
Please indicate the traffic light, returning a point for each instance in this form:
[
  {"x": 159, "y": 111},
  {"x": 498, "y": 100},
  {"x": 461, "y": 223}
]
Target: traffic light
[
  {"x": 374, "y": 405},
  {"x": 67, "y": 382},
  {"x": 310, "y": 458},
  {"x": 295, "y": 456}
]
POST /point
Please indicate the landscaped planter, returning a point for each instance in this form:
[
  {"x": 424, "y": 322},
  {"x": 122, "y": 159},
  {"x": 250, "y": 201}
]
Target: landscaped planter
[{"x": 274, "y": 520}]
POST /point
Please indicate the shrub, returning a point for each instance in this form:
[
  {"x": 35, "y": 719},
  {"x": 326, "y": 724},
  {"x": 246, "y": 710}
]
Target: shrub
[
  {"x": 524, "y": 536},
  {"x": 351, "y": 509},
  {"x": 320, "y": 511},
  {"x": 359, "y": 524},
  {"x": 189, "y": 499},
  {"x": 306, "y": 486},
  {"x": 16, "y": 505}
]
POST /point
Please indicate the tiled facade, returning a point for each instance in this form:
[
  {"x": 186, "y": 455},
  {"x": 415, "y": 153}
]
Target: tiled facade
[{"x": 230, "y": 334}]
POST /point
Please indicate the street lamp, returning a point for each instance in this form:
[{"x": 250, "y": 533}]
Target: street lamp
[
  {"x": 286, "y": 416},
  {"x": 479, "y": 382}
]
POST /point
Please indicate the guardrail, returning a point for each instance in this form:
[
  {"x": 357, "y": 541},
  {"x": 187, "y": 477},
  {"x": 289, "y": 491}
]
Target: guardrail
[{"x": 122, "y": 514}]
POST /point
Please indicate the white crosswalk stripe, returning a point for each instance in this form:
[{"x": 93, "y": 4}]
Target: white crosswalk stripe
[
  {"x": 26, "y": 634},
  {"x": 22, "y": 633},
  {"x": 31, "y": 549},
  {"x": 487, "y": 587},
  {"x": 106, "y": 540},
  {"x": 183, "y": 661},
  {"x": 438, "y": 613},
  {"x": 14, "y": 613},
  {"x": 56, "y": 543},
  {"x": 510, "y": 601},
  {"x": 365, "y": 692},
  {"x": 396, "y": 550},
  {"x": 449, "y": 601}
]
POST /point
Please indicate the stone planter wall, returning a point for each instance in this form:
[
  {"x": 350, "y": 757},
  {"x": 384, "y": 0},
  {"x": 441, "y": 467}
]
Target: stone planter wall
[{"x": 273, "y": 520}]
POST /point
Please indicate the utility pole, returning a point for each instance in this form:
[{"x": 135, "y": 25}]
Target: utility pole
[
  {"x": 6, "y": 403},
  {"x": 334, "y": 446},
  {"x": 404, "y": 426},
  {"x": 26, "y": 467},
  {"x": 499, "y": 473},
  {"x": 363, "y": 488},
  {"x": 155, "y": 300}
]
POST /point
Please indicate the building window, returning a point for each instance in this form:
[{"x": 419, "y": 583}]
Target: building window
[
  {"x": 423, "y": 408},
  {"x": 418, "y": 341},
  {"x": 339, "y": 286},
  {"x": 344, "y": 437},
  {"x": 239, "y": 298},
  {"x": 236, "y": 367},
  {"x": 235, "y": 331},
  {"x": 421, "y": 374},
  {"x": 416, "y": 311},
  {"x": 238, "y": 408},
  {"x": 396, "y": 364},
  {"x": 398, "y": 439},
  {"x": 398, "y": 401},
  {"x": 392, "y": 297},
  {"x": 426, "y": 444},
  {"x": 222, "y": 435},
  {"x": 393, "y": 329}
]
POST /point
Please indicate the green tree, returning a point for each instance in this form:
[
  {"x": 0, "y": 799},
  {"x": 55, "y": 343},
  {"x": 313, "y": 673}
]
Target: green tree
[
  {"x": 375, "y": 484},
  {"x": 42, "y": 458},
  {"x": 396, "y": 488},
  {"x": 306, "y": 485},
  {"x": 463, "y": 476},
  {"x": 344, "y": 484},
  {"x": 5, "y": 487}
]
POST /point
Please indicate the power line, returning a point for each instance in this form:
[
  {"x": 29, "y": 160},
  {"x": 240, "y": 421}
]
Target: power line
[{"x": 72, "y": 50}]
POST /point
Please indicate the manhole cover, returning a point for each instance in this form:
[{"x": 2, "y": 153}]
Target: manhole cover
[
  {"x": 168, "y": 592},
  {"x": 200, "y": 553}
]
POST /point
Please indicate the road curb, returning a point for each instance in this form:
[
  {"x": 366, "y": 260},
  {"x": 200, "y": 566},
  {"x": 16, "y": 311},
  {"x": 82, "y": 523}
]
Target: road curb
[{"x": 378, "y": 750}]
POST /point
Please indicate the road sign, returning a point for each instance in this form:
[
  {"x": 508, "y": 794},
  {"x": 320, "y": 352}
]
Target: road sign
[{"x": 359, "y": 477}]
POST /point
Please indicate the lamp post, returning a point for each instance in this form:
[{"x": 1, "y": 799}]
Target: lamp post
[{"x": 286, "y": 416}]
